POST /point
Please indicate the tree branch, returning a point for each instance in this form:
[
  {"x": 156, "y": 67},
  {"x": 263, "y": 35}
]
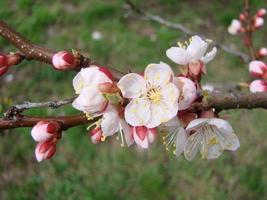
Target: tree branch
[
  {"x": 30, "y": 121},
  {"x": 30, "y": 51},
  {"x": 187, "y": 31},
  {"x": 19, "y": 108},
  {"x": 218, "y": 101}
]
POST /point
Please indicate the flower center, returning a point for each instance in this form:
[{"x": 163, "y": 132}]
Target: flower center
[
  {"x": 154, "y": 95},
  {"x": 213, "y": 140}
]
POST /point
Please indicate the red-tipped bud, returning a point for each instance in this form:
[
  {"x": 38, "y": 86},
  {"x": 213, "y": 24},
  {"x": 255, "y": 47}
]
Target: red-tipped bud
[
  {"x": 45, "y": 150},
  {"x": 258, "y": 22},
  {"x": 96, "y": 135},
  {"x": 262, "y": 52},
  {"x": 258, "y": 69},
  {"x": 143, "y": 136},
  {"x": 63, "y": 60},
  {"x": 44, "y": 131},
  {"x": 242, "y": 17},
  {"x": 258, "y": 86},
  {"x": 261, "y": 12},
  {"x": 3, "y": 64}
]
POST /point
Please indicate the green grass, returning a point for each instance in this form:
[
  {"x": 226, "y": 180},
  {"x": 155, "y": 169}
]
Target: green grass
[{"x": 82, "y": 170}]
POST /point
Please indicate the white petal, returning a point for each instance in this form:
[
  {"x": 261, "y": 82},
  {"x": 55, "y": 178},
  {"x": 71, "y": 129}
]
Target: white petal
[
  {"x": 137, "y": 112},
  {"x": 132, "y": 85},
  {"x": 174, "y": 122},
  {"x": 196, "y": 123},
  {"x": 180, "y": 141},
  {"x": 210, "y": 55},
  {"x": 158, "y": 74},
  {"x": 208, "y": 149},
  {"x": 226, "y": 134},
  {"x": 78, "y": 83},
  {"x": 170, "y": 94},
  {"x": 161, "y": 113},
  {"x": 90, "y": 100},
  {"x": 110, "y": 122},
  {"x": 178, "y": 55},
  {"x": 192, "y": 146},
  {"x": 92, "y": 76},
  {"x": 197, "y": 48},
  {"x": 126, "y": 131}
]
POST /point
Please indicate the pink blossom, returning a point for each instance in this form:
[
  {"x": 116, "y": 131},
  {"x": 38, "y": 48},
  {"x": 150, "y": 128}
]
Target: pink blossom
[
  {"x": 188, "y": 92},
  {"x": 261, "y": 12},
  {"x": 45, "y": 150},
  {"x": 45, "y": 130},
  {"x": 262, "y": 52},
  {"x": 143, "y": 136},
  {"x": 63, "y": 60},
  {"x": 235, "y": 27},
  {"x": 258, "y": 86},
  {"x": 258, "y": 69},
  {"x": 258, "y": 22}
]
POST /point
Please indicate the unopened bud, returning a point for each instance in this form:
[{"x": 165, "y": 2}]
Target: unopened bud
[
  {"x": 258, "y": 22},
  {"x": 261, "y": 12},
  {"x": 44, "y": 131},
  {"x": 45, "y": 150},
  {"x": 63, "y": 60},
  {"x": 262, "y": 52}
]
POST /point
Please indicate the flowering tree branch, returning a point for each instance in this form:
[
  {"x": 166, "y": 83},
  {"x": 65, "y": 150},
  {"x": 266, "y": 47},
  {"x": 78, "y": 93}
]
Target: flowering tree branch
[
  {"x": 29, "y": 51},
  {"x": 180, "y": 27},
  {"x": 218, "y": 101}
]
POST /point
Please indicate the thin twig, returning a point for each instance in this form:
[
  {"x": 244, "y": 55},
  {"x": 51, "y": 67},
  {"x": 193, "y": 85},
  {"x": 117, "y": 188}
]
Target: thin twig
[
  {"x": 187, "y": 31},
  {"x": 19, "y": 108}
]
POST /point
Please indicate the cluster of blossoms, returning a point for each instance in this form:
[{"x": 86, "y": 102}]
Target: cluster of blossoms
[
  {"x": 258, "y": 69},
  {"x": 140, "y": 107},
  {"x": 238, "y": 26},
  {"x": 47, "y": 134},
  {"x": 247, "y": 24}
]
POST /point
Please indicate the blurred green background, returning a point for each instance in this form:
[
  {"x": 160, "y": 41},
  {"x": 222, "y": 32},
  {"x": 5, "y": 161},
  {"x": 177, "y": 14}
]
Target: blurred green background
[{"x": 82, "y": 170}]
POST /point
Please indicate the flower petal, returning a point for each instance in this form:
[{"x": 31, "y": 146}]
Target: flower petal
[
  {"x": 188, "y": 92},
  {"x": 93, "y": 76},
  {"x": 161, "y": 113},
  {"x": 197, "y": 48},
  {"x": 192, "y": 146},
  {"x": 137, "y": 112},
  {"x": 180, "y": 141},
  {"x": 178, "y": 55},
  {"x": 126, "y": 131},
  {"x": 158, "y": 74},
  {"x": 132, "y": 85},
  {"x": 170, "y": 94},
  {"x": 78, "y": 83},
  {"x": 90, "y": 100},
  {"x": 110, "y": 122},
  {"x": 209, "y": 56}
]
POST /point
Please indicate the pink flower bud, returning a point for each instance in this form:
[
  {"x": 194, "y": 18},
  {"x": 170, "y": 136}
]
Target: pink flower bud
[
  {"x": 63, "y": 60},
  {"x": 143, "y": 136},
  {"x": 258, "y": 86},
  {"x": 234, "y": 27},
  {"x": 97, "y": 135},
  {"x": 258, "y": 22},
  {"x": 262, "y": 52},
  {"x": 3, "y": 64},
  {"x": 44, "y": 131},
  {"x": 188, "y": 92},
  {"x": 261, "y": 12},
  {"x": 45, "y": 150},
  {"x": 242, "y": 17},
  {"x": 258, "y": 69}
]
